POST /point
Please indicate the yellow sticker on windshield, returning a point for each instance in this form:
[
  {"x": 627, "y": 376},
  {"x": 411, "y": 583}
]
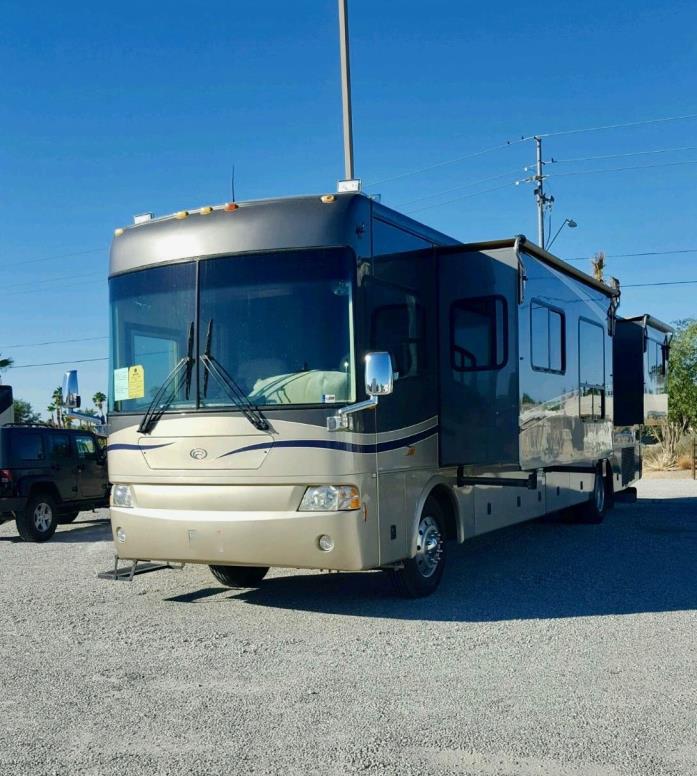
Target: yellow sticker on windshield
[{"x": 136, "y": 382}]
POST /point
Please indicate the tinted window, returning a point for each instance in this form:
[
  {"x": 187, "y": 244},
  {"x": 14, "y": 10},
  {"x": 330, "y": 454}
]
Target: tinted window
[
  {"x": 28, "y": 446},
  {"x": 399, "y": 329},
  {"x": 58, "y": 446},
  {"x": 85, "y": 446},
  {"x": 478, "y": 334},
  {"x": 151, "y": 312},
  {"x": 280, "y": 326},
  {"x": 548, "y": 338},
  {"x": 591, "y": 369}
]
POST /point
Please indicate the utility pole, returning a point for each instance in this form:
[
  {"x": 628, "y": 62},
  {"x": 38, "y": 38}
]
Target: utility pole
[
  {"x": 540, "y": 197},
  {"x": 346, "y": 90}
]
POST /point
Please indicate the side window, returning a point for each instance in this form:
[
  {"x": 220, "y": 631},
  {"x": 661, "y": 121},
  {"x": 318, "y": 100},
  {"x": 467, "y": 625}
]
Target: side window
[
  {"x": 547, "y": 338},
  {"x": 400, "y": 330},
  {"x": 85, "y": 446},
  {"x": 591, "y": 369},
  {"x": 58, "y": 446},
  {"x": 28, "y": 446},
  {"x": 478, "y": 334}
]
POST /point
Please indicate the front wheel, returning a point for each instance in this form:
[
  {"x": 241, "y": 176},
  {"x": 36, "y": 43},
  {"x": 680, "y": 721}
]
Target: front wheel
[
  {"x": 239, "y": 576},
  {"x": 38, "y": 521},
  {"x": 421, "y": 575}
]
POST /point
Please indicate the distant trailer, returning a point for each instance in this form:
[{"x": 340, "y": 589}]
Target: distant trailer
[
  {"x": 7, "y": 414},
  {"x": 323, "y": 382},
  {"x": 640, "y": 370}
]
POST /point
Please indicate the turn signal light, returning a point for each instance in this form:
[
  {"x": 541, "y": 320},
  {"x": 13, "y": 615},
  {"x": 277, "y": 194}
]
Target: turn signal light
[{"x": 230, "y": 206}]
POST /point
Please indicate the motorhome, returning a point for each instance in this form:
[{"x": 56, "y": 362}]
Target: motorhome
[{"x": 322, "y": 382}]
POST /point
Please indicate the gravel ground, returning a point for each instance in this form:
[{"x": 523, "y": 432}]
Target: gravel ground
[{"x": 550, "y": 649}]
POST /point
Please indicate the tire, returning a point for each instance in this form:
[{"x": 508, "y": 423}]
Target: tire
[
  {"x": 67, "y": 517},
  {"x": 594, "y": 510},
  {"x": 38, "y": 521},
  {"x": 421, "y": 575},
  {"x": 239, "y": 576}
]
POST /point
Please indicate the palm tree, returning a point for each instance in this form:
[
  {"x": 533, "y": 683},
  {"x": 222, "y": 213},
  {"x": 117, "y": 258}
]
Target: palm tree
[
  {"x": 5, "y": 363},
  {"x": 51, "y": 409},
  {"x": 57, "y": 397},
  {"x": 98, "y": 400}
]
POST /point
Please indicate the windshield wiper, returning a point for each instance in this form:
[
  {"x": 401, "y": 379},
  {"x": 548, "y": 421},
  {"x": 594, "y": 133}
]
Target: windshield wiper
[
  {"x": 159, "y": 403},
  {"x": 233, "y": 390}
]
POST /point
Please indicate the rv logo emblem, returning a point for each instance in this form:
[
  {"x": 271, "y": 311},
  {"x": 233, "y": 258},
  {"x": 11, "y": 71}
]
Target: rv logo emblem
[{"x": 198, "y": 453}]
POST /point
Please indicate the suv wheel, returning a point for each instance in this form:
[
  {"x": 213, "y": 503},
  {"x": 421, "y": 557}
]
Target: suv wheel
[{"x": 38, "y": 521}]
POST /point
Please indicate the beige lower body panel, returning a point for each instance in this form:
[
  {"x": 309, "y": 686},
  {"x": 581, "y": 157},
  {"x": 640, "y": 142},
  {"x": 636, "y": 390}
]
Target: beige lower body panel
[{"x": 287, "y": 539}]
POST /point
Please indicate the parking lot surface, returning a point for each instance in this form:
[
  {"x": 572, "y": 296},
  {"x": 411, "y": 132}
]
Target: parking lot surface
[{"x": 551, "y": 648}]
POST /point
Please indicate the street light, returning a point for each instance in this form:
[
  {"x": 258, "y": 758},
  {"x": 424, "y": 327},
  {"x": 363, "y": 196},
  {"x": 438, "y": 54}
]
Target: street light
[{"x": 572, "y": 225}]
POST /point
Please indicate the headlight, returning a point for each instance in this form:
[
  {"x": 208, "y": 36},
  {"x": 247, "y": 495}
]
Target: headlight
[
  {"x": 122, "y": 496},
  {"x": 330, "y": 498}
]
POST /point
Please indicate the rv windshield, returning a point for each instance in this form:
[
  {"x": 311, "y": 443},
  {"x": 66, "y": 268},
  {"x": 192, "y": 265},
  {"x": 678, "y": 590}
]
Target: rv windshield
[{"x": 281, "y": 328}]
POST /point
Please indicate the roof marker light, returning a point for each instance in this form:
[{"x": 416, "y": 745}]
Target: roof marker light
[
  {"x": 118, "y": 232},
  {"x": 207, "y": 210},
  {"x": 181, "y": 214},
  {"x": 328, "y": 198},
  {"x": 230, "y": 206},
  {"x": 142, "y": 218}
]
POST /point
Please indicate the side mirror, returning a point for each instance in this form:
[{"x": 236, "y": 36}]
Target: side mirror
[
  {"x": 378, "y": 374},
  {"x": 71, "y": 397}
]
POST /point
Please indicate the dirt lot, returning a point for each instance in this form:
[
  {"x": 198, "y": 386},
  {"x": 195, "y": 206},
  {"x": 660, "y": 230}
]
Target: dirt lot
[{"x": 550, "y": 649}]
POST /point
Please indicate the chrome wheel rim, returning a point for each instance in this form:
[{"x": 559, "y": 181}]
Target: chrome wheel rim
[
  {"x": 43, "y": 514},
  {"x": 599, "y": 494},
  {"x": 429, "y": 547}
]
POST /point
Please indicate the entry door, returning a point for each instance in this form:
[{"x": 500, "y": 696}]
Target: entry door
[
  {"x": 63, "y": 463},
  {"x": 478, "y": 355},
  {"x": 91, "y": 472}
]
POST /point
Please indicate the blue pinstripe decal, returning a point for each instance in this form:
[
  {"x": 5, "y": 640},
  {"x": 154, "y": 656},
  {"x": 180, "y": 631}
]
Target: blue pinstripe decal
[
  {"x": 121, "y": 446},
  {"x": 347, "y": 447}
]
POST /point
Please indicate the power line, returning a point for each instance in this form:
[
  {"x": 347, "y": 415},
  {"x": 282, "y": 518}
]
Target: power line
[
  {"x": 51, "y": 342},
  {"x": 457, "y": 188},
  {"x": 58, "y": 363},
  {"x": 474, "y": 155},
  {"x": 56, "y": 278},
  {"x": 457, "y": 199},
  {"x": 525, "y": 138},
  {"x": 54, "y": 257},
  {"x": 613, "y": 126},
  {"x": 619, "y": 156},
  {"x": 634, "y": 255},
  {"x": 619, "y": 169},
  {"x": 661, "y": 283}
]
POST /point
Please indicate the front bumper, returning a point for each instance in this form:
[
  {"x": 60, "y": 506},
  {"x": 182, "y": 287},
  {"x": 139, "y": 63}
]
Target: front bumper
[{"x": 247, "y": 538}]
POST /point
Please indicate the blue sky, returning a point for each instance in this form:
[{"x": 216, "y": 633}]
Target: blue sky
[{"x": 110, "y": 111}]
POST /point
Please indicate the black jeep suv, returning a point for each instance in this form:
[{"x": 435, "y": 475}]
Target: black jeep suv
[{"x": 47, "y": 476}]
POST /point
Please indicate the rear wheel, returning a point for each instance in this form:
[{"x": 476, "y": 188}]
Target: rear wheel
[
  {"x": 421, "y": 575},
  {"x": 38, "y": 521},
  {"x": 593, "y": 511},
  {"x": 239, "y": 576}
]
